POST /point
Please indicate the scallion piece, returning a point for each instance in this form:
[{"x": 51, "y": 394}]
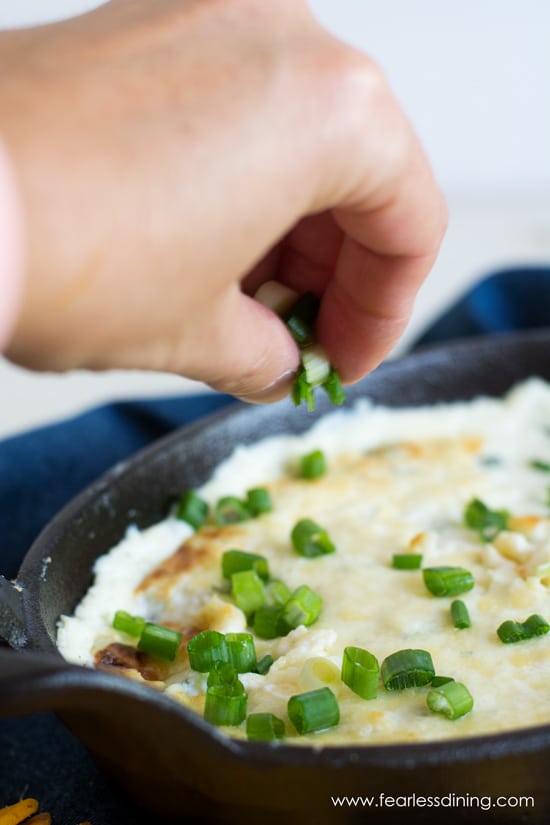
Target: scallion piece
[
  {"x": 264, "y": 664},
  {"x": 242, "y": 653},
  {"x": 225, "y": 704},
  {"x": 510, "y": 631},
  {"x": 223, "y": 673},
  {"x": 447, "y": 581},
  {"x": 277, "y": 593},
  {"x": 160, "y": 641},
  {"x": 259, "y": 501},
  {"x": 205, "y": 649},
  {"x": 407, "y": 668},
  {"x": 334, "y": 389},
  {"x": 542, "y": 466},
  {"x": 302, "y": 391},
  {"x": 230, "y": 510},
  {"x": 360, "y": 671},
  {"x": 235, "y": 561},
  {"x": 277, "y": 296},
  {"x": 485, "y": 521},
  {"x": 192, "y": 509},
  {"x": 316, "y": 365},
  {"x": 460, "y": 615},
  {"x": 309, "y": 539},
  {"x": 453, "y": 700},
  {"x": 267, "y": 622},
  {"x": 313, "y": 711},
  {"x": 132, "y": 625},
  {"x": 407, "y": 561},
  {"x": 248, "y": 591},
  {"x": 264, "y": 727},
  {"x": 301, "y": 319},
  {"x": 313, "y": 465},
  {"x": 303, "y": 607},
  {"x": 437, "y": 681}
]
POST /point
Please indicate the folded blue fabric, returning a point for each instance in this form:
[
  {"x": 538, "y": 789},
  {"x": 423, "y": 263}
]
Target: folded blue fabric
[{"x": 40, "y": 471}]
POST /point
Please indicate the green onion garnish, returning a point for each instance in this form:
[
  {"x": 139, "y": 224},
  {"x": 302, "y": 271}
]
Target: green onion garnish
[
  {"x": 407, "y": 561},
  {"x": 160, "y": 641},
  {"x": 230, "y": 510},
  {"x": 264, "y": 727},
  {"x": 223, "y": 673},
  {"x": 452, "y": 699},
  {"x": 301, "y": 319},
  {"x": 510, "y": 631},
  {"x": 258, "y": 501},
  {"x": 447, "y": 581},
  {"x": 242, "y": 653},
  {"x": 316, "y": 365},
  {"x": 460, "y": 615},
  {"x": 407, "y": 668},
  {"x": 264, "y": 664},
  {"x": 303, "y": 607},
  {"x": 267, "y": 622},
  {"x": 248, "y": 591},
  {"x": 542, "y": 466},
  {"x": 437, "y": 681},
  {"x": 313, "y": 465},
  {"x": 225, "y": 704},
  {"x": 132, "y": 625},
  {"x": 192, "y": 509},
  {"x": 314, "y": 710},
  {"x": 311, "y": 540},
  {"x": 486, "y": 522},
  {"x": 277, "y": 593},
  {"x": 334, "y": 389},
  {"x": 205, "y": 649},
  {"x": 302, "y": 391},
  {"x": 235, "y": 561},
  {"x": 360, "y": 672}
]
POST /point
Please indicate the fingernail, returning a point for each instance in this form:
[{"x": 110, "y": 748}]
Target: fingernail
[{"x": 279, "y": 389}]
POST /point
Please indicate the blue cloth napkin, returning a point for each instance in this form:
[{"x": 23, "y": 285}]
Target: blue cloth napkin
[{"x": 42, "y": 470}]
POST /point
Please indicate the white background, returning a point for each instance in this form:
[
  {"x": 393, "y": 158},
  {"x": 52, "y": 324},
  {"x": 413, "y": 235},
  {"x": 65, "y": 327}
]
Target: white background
[{"x": 474, "y": 78}]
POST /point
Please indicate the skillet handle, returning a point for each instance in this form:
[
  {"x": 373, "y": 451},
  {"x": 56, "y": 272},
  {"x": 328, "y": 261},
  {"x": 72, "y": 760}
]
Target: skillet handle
[{"x": 12, "y": 620}]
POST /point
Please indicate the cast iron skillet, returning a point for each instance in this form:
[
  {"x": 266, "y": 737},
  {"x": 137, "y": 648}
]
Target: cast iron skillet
[{"x": 166, "y": 756}]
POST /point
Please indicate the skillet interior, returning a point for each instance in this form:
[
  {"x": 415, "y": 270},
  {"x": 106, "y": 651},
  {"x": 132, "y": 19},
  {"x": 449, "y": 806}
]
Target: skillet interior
[{"x": 134, "y": 731}]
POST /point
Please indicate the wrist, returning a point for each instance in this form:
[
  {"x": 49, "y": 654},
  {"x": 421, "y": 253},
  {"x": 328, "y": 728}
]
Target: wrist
[{"x": 11, "y": 247}]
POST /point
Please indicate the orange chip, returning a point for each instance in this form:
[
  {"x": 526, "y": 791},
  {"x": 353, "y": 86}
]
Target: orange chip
[{"x": 14, "y": 814}]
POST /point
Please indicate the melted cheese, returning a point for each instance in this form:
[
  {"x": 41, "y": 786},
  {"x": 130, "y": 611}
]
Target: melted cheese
[{"x": 398, "y": 481}]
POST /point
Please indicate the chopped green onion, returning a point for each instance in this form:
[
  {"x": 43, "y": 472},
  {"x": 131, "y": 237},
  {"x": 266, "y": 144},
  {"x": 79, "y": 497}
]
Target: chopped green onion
[
  {"x": 315, "y": 364},
  {"x": 460, "y": 615},
  {"x": 264, "y": 664},
  {"x": 537, "y": 464},
  {"x": 277, "y": 296},
  {"x": 302, "y": 391},
  {"x": 452, "y": 699},
  {"x": 407, "y": 561},
  {"x": 248, "y": 591},
  {"x": 205, "y": 649},
  {"x": 230, "y": 510},
  {"x": 225, "y": 704},
  {"x": 407, "y": 668},
  {"x": 267, "y": 622},
  {"x": 510, "y": 631},
  {"x": 223, "y": 673},
  {"x": 264, "y": 727},
  {"x": 277, "y": 593},
  {"x": 447, "y": 581},
  {"x": 311, "y": 540},
  {"x": 259, "y": 501},
  {"x": 334, "y": 389},
  {"x": 192, "y": 509},
  {"x": 160, "y": 641},
  {"x": 486, "y": 522},
  {"x": 235, "y": 561},
  {"x": 242, "y": 653},
  {"x": 313, "y": 465},
  {"x": 132, "y": 625},
  {"x": 301, "y": 319},
  {"x": 437, "y": 681},
  {"x": 314, "y": 710},
  {"x": 303, "y": 607},
  {"x": 360, "y": 672}
]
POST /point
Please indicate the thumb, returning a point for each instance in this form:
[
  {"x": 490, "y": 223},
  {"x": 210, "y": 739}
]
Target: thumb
[{"x": 248, "y": 351}]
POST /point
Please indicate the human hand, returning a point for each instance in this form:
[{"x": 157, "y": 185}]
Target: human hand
[{"x": 173, "y": 156}]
